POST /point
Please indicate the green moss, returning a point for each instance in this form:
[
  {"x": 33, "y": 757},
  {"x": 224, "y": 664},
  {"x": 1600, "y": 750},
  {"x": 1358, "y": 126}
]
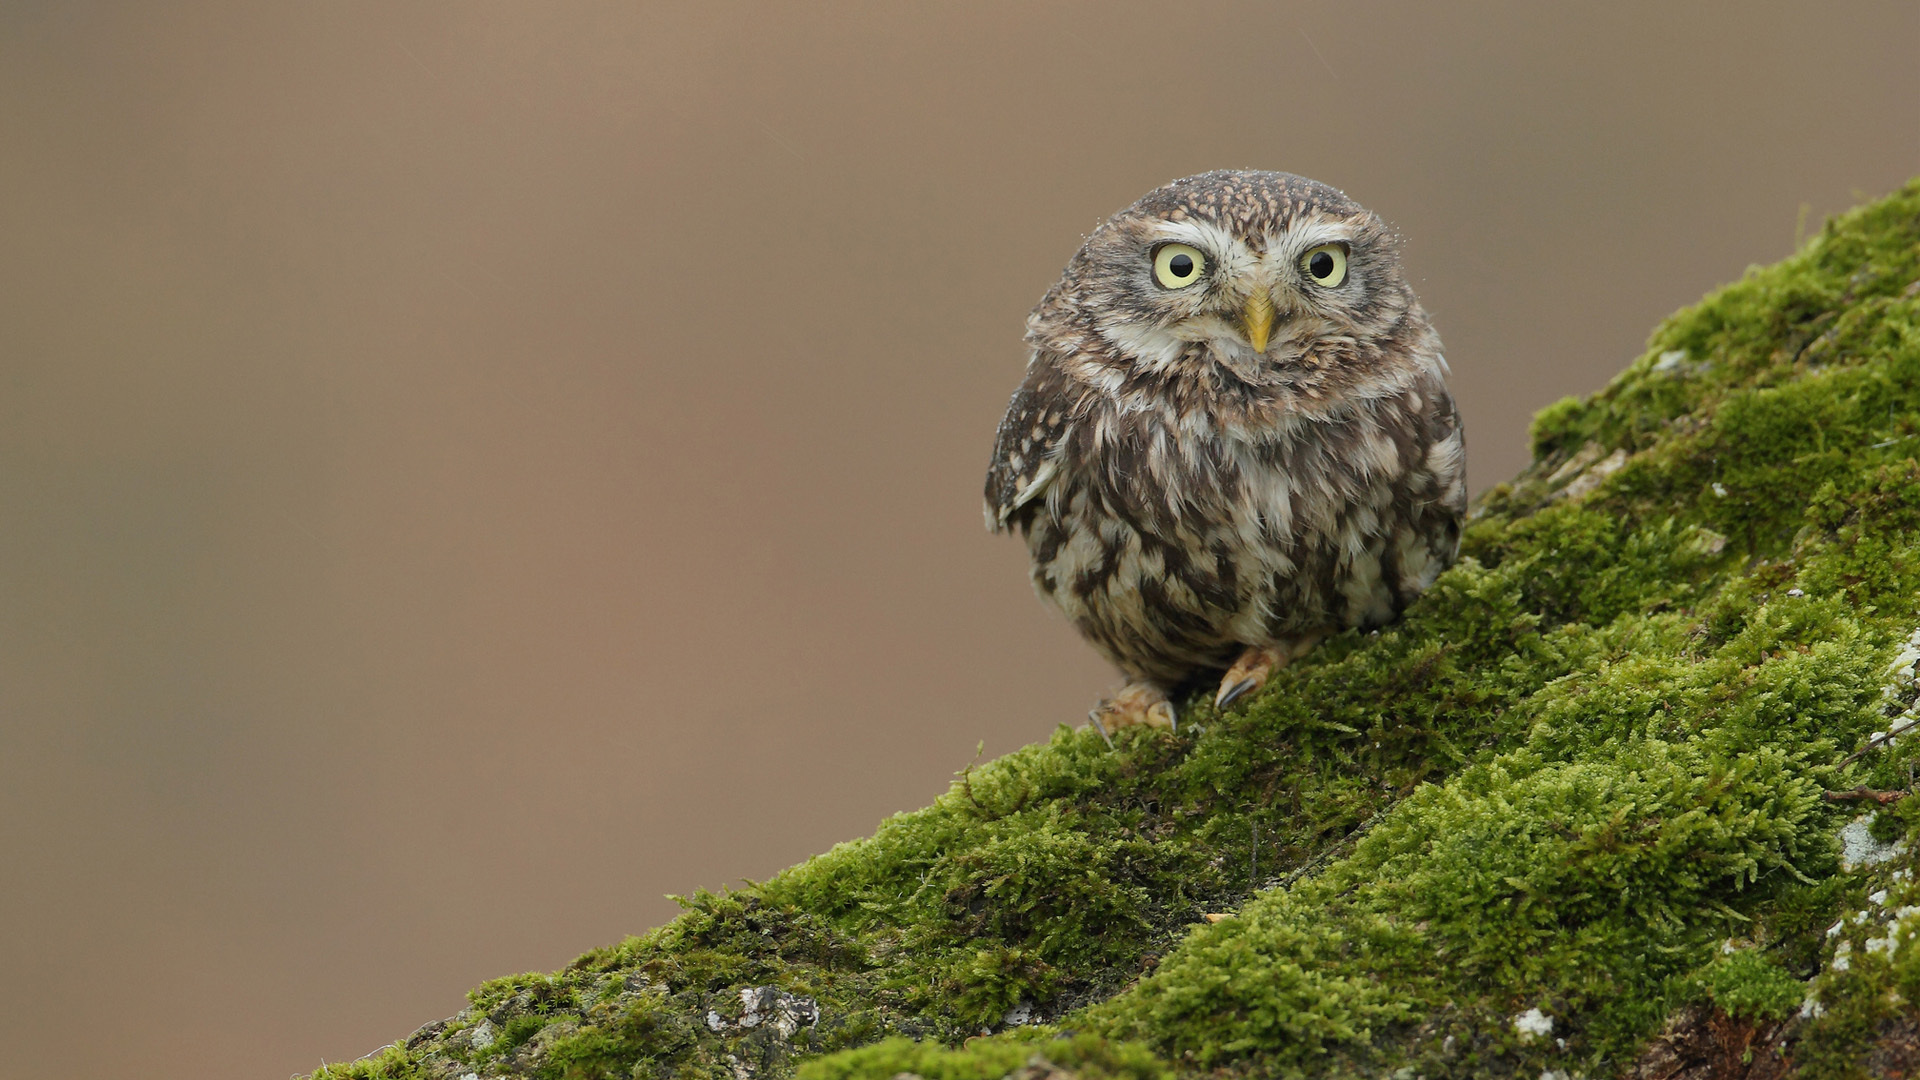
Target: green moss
[
  {"x": 1589, "y": 762},
  {"x": 1557, "y": 427},
  {"x": 1745, "y": 982},
  {"x": 387, "y": 1063},
  {"x": 1087, "y": 1056}
]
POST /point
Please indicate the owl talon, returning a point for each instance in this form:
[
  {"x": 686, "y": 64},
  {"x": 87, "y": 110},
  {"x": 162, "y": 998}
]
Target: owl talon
[
  {"x": 1231, "y": 693},
  {"x": 1093, "y": 717},
  {"x": 1257, "y": 664},
  {"x": 1135, "y": 703},
  {"x": 1249, "y": 673}
]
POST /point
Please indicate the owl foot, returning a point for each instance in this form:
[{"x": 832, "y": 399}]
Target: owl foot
[
  {"x": 1136, "y": 703},
  {"x": 1250, "y": 672}
]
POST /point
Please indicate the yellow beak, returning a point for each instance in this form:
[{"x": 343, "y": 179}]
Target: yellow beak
[{"x": 1259, "y": 320}]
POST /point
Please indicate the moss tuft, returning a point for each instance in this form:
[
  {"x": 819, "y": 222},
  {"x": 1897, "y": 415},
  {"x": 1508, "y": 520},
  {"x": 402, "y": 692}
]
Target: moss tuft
[{"x": 1747, "y": 983}]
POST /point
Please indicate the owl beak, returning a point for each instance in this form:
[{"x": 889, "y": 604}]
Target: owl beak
[{"x": 1259, "y": 320}]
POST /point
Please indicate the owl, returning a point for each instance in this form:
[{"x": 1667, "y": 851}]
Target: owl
[{"x": 1234, "y": 437}]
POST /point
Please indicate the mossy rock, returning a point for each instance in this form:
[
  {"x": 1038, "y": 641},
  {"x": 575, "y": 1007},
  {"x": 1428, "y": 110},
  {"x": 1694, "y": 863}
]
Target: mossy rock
[{"x": 1597, "y": 806}]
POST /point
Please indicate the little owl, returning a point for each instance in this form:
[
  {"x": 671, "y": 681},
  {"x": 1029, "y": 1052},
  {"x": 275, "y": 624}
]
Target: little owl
[{"x": 1234, "y": 437}]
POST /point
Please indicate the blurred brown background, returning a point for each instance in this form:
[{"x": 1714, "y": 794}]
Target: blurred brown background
[{"x": 470, "y": 469}]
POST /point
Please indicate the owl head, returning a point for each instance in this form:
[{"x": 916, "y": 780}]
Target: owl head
[{"x": 1236, "y": 280}]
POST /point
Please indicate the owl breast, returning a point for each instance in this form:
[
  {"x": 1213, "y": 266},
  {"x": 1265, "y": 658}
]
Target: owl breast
[{"x": 1171, "y": 552}]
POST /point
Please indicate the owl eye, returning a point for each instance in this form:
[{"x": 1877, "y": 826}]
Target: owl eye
[
  {"x": 1326, "y": 264},
  {"x": 1177, "y": 266}
]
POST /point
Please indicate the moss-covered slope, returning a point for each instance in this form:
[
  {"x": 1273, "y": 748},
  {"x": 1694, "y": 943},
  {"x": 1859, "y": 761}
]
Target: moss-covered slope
[{"x": 1579, "y": 813}]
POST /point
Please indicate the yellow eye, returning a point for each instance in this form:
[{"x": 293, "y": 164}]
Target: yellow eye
[
  {"x": 1177, "y": 265},
  {"x": 1326, "y": 264}
]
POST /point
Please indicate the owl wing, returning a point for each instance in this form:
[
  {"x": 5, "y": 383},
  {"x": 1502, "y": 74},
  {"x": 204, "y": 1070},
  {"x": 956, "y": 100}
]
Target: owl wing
[
  {"x": 1026, "y": 454},
  {"x": 1433, "y": 501}
]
